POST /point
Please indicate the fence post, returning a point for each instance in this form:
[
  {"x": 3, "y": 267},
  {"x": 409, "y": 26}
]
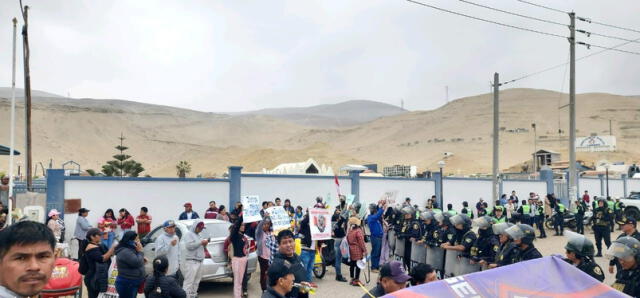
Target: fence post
[
  {"x": 601, "y": 177},
  {"x": 437, "y": 178},
  {"x": 546, "y": 175},
  {"x": 235, "y": 181},
  {"x": 624, "y": 185},
  {"x": 355, "y": 184},
  {"x": 55, "y": 191}
]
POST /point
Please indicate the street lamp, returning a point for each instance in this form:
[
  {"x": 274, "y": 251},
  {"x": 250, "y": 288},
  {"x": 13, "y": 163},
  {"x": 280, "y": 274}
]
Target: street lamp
[
  {"x": 606, "y": 168},
  {"x": 441, "y": 165}
]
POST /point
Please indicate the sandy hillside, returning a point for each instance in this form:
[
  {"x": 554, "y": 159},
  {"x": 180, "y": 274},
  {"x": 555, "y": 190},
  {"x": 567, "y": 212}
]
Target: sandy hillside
[{"x": 86, "y": 131}]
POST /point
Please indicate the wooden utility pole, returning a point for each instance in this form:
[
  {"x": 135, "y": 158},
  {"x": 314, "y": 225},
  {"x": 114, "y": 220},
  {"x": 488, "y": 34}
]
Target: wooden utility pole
[
  {"x": 496, "y": 136},
  {"x": 27, "y": 94},
  {"x": 573, "y": 171}
]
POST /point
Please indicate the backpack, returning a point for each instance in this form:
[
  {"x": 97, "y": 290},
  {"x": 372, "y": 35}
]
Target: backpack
[{"x": 84, "y": 265}]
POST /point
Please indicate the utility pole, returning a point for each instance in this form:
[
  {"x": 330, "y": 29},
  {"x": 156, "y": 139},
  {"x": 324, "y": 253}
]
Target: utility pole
[
  {"x": 610, "y": 129},
  {"x": 496, "y": 134},
  {"x": 573, "y": 187},
  {"x": 27, "y": 94},
  {"x": 13, "y": 121},
  {"x": 535, "y": 147}
]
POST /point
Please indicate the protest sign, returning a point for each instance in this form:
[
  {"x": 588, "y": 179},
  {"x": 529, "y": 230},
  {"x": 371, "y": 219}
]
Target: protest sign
[
  {"x": 350, "y": 199},
  {"x": 545, "y": 277},
  {"x": 251, "y": 209},
  {"x": 390, "y": 197},
  {"x": 328, "y": 202},
  {"x": 280, "y": 219},
  {"x": 320, "y": 222}
]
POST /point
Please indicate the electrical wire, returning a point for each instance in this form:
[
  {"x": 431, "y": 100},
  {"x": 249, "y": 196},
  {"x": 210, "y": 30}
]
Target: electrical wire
[
  {"x": 513, "y": 13},
  {"x": 542, "y": 6},
  {"x": 588, "y": 45},
  {"x": 605, "y": 35},
  {"x": 488, "y": 21},
  {"x": 607, "y": 25},
  {"x": 614, "y": 48}
]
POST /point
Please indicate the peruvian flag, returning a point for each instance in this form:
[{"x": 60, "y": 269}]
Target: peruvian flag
[{"x": 337, "y": 183}]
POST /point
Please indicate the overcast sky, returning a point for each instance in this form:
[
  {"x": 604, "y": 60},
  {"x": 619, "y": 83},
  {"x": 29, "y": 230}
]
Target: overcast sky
[{"x": 230, "y": 55}]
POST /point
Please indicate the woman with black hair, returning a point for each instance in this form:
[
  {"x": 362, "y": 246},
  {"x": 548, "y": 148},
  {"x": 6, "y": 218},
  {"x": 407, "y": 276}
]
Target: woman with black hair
[
  {"x": 130, "y": 261},
  {"x": 238, "y": 249},
  {"x": 125, "y": 221},
  {"x": 222, "y": 213},
  {"x": 107, "y": 224},
  {"x": 161, "y": 285},
  {"x": 98, "y": 259}
]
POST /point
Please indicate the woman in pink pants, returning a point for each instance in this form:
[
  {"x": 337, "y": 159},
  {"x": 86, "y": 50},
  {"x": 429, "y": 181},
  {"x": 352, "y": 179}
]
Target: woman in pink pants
[{"x": 239, "y": 250}]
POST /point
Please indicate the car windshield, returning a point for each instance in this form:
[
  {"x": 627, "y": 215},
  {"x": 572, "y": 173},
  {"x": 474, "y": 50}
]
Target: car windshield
[{"x": 215, "y": 230}]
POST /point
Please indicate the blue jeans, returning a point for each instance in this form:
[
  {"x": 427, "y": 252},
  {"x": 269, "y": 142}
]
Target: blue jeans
[
  {"x": 109, "y": 241},
  {"x": 376, "y": 246},
  {"x": 338, "y": 262},
  {"x": 127, "y": 288},
  {"x": 308, "y": 257}
]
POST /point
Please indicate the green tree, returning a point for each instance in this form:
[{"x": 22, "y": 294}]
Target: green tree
[
  {"x": 91, "y": 172},
  {"x": 122, "y": 165},
  {"x": 183, "y": 168}
]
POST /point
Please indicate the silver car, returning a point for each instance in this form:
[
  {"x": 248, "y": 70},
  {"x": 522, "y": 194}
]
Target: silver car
[{"x": 215, "y": 262}]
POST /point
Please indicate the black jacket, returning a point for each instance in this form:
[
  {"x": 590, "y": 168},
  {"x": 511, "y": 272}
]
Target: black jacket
[
  {"x": 305, "y": 231},
  {"x": 338, "y": 226},
  {"x": 299, "y": 272},
  {"x": 529, "y": 254},
  {"x": 130, "y": 263},
  {"x": 378, "y": 291},
  {"x": 270, "y": 293},
  {"x": 628, "y": 282},
  {"x": 589, "y": 267},
  {"x": 168, "y": 287},
  {"x": 97, "y": 276}
]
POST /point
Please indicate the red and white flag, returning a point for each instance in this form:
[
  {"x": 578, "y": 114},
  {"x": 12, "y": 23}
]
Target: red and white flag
[{"x": 337, "y": 184}]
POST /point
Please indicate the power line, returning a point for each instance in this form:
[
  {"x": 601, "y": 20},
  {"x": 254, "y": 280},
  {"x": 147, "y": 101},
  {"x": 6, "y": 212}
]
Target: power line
[
  {"x": 488, "y": 21},
  {"x": 588, "y": 45},
  {"x": 513, "y": 13},
  {"x": 614, "y": 48},
  {"x": 605, "y": 35},
  {"x": 607, "y": 25},
  {"x": 542, "y": 6}
]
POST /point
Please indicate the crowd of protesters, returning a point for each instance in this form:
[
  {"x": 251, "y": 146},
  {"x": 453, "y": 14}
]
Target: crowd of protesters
[{"x": 507, "y": 225}]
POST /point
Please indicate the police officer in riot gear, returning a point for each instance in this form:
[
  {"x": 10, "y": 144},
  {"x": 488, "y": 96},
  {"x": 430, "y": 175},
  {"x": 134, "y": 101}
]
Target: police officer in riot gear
[
  {"x": 406, "y": 232},
  {"x": 626, "y": 250},
  {"x": 523, "y": 236},
  {"x": 486, "y": 246},
  {"x": 463, "y": 238},
  {"x": 602, "y": 216},
  {"x": 628, "y": 227},
  {"x": 579, "y": 252},
  {"x": 427, "y": 226},
  {"x": 507, "y": 250}
]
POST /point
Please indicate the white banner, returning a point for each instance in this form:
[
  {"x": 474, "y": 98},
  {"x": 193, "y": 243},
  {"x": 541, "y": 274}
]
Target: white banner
[
  {"x": 251, "y": 209},
  {"x": 320, "y": 223},
  {"x": 280, "y": 219},
  {"x": 596, "y": 143}
]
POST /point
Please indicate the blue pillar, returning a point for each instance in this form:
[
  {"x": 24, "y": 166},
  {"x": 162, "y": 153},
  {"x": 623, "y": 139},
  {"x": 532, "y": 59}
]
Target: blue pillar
[
  {"x": 437, "y": 178},
  {"x": 235, "y": 181},
  {"x": 602, "y": 193},
  {"x": 55, "y": 190},
  {"x": 355, "y": 184},
  {"x": 624, "y": 184},
  {"x": 546, "y": 175}
]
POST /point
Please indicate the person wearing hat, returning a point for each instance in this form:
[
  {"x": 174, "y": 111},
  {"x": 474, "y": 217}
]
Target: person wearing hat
[
  {"x": 194, "y": 255},
  {"x": 523, "y": 236},
  {"x": 408, "y": 223},
  {"x": 98, "y": 259},
  {"x": 357, "y": 249},
  {"x": 392, "y": 278},
  {"x": 484, "y": 249},
  {"x": 558, "y": 221},
  {"x": 603, "y": 215},
  {"x": 55, "y": 225},
  {"x": 167, "y": 245},
  {"x": 188, "y": 212},
  {"x": 498, "y": 214},
  {"x": 626, "y": 250},
  {"x": 628, "y": 227},
  {"x": 80, "y": 233},
  {"x": 281, "y": 279},
  {"x": 507, "y": 250},
  {"x": 579, "y": 253}
]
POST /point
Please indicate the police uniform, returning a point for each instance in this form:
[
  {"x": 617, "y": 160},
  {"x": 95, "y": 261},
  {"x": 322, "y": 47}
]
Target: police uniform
[
  {"x": 466, "y": 211},
  {"x": 558, "y": 223},
  {"x": 601, "y": 230},
  {"x": 590, "y": 267},
  {"x": 465, "y": 238},
  {"x": 615, "y": 262},
  {"x": 485, "y": 247},
  {"x": 405, "y": 235},
  {"x": 507, "y": 254},
  {"x": 628, "y": 282},
  {"x": 580, "y": 209},
  {"x": 540, "y": 221},
  {"x": 428, "y": 233},
  {"x": 529, "y": 253}
]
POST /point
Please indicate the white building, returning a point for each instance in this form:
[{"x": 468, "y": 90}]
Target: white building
[{"x": 300, "y": 168}]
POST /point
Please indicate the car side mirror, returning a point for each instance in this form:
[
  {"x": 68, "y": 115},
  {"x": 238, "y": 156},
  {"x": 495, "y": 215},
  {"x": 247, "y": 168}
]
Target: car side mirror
[{"x": 144, "y": 241}]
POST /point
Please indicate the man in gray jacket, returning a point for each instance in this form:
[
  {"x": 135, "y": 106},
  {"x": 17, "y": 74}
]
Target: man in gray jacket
[
  {"x": 193, "y": 259},
  {"x": 167, "y": 244},
  {"x": 80, "y": 233}
]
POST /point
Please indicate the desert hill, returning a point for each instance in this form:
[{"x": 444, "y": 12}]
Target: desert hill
[{"x": 86, "y": 130}]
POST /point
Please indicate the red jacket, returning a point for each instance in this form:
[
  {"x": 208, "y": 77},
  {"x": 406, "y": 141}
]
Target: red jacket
[
  {"x": 357, "y": 248},
  {"x": 126, "y": 223}
]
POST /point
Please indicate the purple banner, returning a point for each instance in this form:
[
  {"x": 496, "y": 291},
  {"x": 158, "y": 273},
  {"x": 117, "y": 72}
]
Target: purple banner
[{"x": 540, "y": 278}]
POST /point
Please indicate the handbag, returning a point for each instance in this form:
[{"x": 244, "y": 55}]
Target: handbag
[{"x": 344, "y": 248}]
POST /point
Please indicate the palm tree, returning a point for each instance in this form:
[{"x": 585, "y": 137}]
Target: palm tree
[{"x": 183, "y": 167}]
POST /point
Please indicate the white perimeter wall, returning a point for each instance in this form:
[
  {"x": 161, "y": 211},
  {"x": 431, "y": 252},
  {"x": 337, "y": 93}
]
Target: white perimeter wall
[
  {"x": 164, "y": 199},
  {"x": 301, "y": 191},
  {"x": 592, "y": 185},
  {"x": 371, "y": 190},
  {"x": 523, "y": 188},
  {"x": 456, "y": 191},
  {"x": 616, "y": 188}
]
